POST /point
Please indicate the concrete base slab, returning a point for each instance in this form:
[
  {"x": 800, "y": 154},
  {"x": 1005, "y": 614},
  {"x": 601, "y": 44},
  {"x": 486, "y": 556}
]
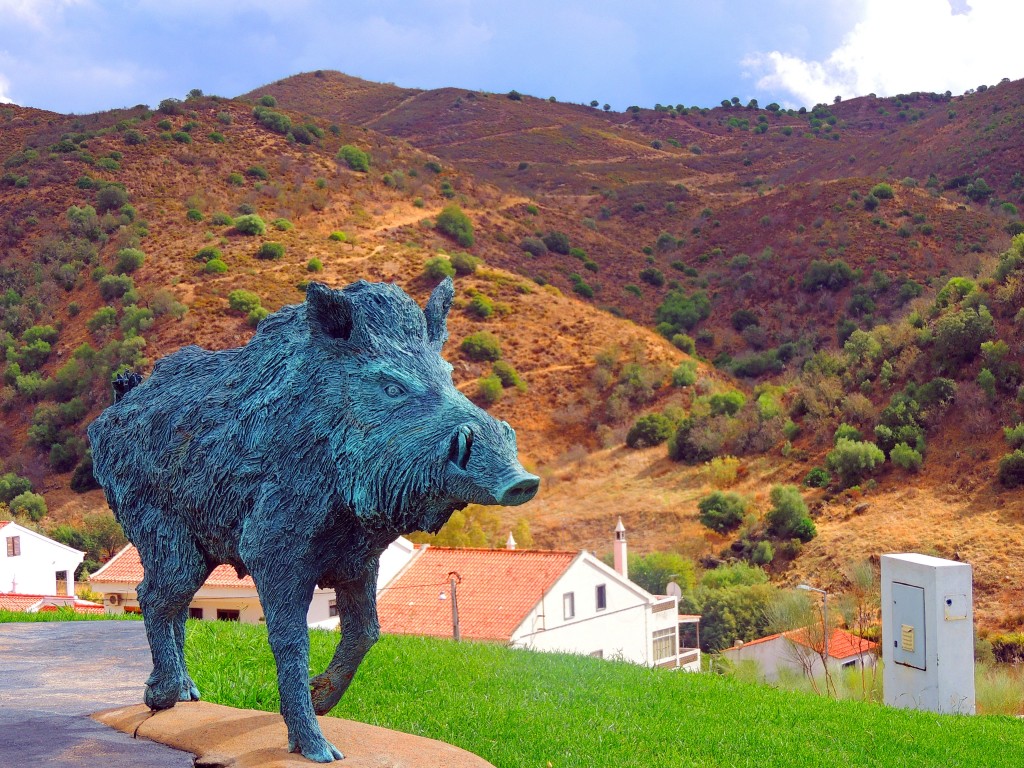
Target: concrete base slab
[{"x": 224, "y": 737}]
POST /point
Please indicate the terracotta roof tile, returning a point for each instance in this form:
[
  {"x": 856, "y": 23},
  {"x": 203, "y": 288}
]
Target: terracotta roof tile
[
  {"x": 498, "y": 588},
  {"x": 126, "y": 568},
  {"x": 4, "y": 522},
  {"x": 841, "y": 644},
  {"x": 12, "y": 601}
]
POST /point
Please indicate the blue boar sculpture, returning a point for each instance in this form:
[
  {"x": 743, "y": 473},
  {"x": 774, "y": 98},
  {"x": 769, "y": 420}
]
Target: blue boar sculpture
[{"x": 297, "y": 458}]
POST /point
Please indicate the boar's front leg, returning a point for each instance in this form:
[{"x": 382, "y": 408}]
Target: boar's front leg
[
  {"x": 357, "y": 607},
  {"x": 285, "y": 592}
]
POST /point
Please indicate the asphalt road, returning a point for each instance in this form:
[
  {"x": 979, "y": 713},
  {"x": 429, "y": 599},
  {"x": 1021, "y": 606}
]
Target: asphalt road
[{"x": 53, "y": 675}]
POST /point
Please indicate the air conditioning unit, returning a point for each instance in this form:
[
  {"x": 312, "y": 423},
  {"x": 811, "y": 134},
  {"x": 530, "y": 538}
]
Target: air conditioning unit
[{"x": 114, "y": 599}]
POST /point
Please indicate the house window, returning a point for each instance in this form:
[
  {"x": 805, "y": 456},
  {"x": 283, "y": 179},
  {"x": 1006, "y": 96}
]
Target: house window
[
  {"x": 664, "y": 643},
  {"x": 849, "y": 664},
  {"x": 195, "y": 613},
  {"x": 62, "y": 583},
  {"x": 569, "y": 605},
  {"x": 602, "y": 597},
  {"x": 332, "y": 608},
  {"x": 228, "y": 615},
  {"x": 13, "y": 546}
]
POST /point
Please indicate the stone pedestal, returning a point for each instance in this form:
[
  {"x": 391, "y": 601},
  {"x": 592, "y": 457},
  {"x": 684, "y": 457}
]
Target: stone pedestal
[{"x": 243, "y": 738}]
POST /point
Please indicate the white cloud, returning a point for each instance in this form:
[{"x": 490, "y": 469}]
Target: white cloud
[
  {"x": 37, "y": 14},
  {"x": 904, "y": 46},
  {"x": 4, "y": 87}
]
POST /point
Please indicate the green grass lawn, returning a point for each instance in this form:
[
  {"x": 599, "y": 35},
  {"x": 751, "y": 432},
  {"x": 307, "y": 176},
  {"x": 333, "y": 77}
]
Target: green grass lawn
[
  {"x": 64, "y": 614},
  {"x": 519, "y": 709}
]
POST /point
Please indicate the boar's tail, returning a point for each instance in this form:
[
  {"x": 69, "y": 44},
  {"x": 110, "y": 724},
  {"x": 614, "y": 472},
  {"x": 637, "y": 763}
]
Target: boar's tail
[{"x": 124, "y": 383}]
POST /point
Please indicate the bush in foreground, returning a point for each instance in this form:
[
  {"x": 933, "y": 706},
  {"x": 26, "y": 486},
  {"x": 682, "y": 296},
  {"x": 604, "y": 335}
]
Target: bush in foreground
[{"x": 722, "y": 512}]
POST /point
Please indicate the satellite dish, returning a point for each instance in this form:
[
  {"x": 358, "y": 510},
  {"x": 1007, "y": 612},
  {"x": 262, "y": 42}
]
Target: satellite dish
[{"x": 673, "y": 589}]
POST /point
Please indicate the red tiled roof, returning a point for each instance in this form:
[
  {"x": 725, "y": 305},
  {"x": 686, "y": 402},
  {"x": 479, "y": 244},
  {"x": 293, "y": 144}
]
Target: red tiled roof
[
  {"x": 126, "y": 568},
  {"x": 841, "y": 644},
  {"x": 12, "y": 601},
  {"x": 497, "y": 590},
  {"x": 4, "y": 522}
]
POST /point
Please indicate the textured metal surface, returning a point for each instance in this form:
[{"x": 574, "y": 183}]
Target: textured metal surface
[{"x": 297, "y": 459}]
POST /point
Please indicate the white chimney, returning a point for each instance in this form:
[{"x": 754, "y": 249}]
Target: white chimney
[
  {"x": 619, "y": 550},
  {"x": 511, "y": 543}
]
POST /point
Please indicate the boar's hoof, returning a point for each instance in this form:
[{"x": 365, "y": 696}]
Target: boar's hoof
[
  {"x": 189, "y": 692},
  {"x": 162, "y": 694},
  {"x": 318, "y": 750}
]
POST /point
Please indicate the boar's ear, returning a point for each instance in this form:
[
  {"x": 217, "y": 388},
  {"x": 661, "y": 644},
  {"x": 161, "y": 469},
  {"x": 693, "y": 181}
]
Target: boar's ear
[
  {"x": 437, "y": 312},
  {"x": 328, "y": 312}
]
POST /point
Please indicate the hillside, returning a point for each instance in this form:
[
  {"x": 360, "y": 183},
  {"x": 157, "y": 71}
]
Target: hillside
[{"x": 759, "y": 240}]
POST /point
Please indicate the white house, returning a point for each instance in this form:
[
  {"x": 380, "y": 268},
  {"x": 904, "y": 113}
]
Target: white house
[
  {"x": 541, "y": 600},
  {"x": 31, "y": 564},
  {"x": 224, "y": 595},
  {"x": 798, "y": 651}
]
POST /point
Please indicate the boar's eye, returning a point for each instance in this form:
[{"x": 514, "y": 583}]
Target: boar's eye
[{"x": 392, "y": 389}]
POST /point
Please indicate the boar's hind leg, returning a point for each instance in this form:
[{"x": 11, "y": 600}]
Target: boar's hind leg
[
  {"x": 175, "y": 569},
  {"x": 285, "y": 596},
  {"x": 357, "y": 607}
]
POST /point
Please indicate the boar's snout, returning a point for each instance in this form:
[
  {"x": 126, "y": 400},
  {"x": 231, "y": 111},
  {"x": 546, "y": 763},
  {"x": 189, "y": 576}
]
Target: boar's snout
[
  {"x": 519, "y": 491},
  {"x": 490, "y": 463}
]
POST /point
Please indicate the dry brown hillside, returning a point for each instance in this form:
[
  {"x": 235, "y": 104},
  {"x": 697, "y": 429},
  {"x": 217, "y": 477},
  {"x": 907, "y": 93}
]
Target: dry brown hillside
[{"x": 587, "y": 226}]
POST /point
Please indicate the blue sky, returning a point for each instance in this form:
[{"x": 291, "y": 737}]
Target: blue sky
[{"x": 88, "y": 55}]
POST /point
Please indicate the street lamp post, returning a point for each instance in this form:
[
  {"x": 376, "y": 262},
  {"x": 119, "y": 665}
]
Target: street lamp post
[{"x": 824, "y": 616}]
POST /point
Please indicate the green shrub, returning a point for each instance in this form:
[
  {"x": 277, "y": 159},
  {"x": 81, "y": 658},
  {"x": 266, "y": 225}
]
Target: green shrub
[
  {"x": 534, "y": 246},
  {"x": 128, "y": 260},
  {"x": 818, "y": 477},
  {"x": 508, "y": 375},
  {"x": 727, "y": 403},
  {"x": 480, "y": 306},
  {"x": 208, "y": 253},
  {"x": 1015, "y": 435},
  {"x": 438, "y": 268},
  {"x": 243, "y": 301},
  {"x": 103, "y": 318},
  {"x": 12, "y": 485},
  {"x": 30, "y": 504},
  {"x": 453, "y": 222},
  {"x": 215, "y": 267},
  {"x": 235, "y": 179},
  {"x": 685, "y": 374},
  {"x": 115, "y": 286},
  {"x": 680, "y": 312},
  {"x": 194, "y": 215},
  {"x": 648, "y": 430},
  {"x": 181, "y": 137},
  {"x": 882, "y": 191},
  {"x": 314, "y": 265},
  {"x": 271, "y": 120},
  {"x": 338, "y": 237},
  {"x": 270, "y": 251},
  {"x": 356, "y": 158},
  {"x": 1011, "y": 469},
  {"x": 482, "y": 346},
  {"x": 722, "y": 512},
  {"x": 255, "y": 315},
  {"x": 135, "y": 320},
  {"x": 846, "y": 432},
  {"x": 853, "y": 460},
  {"x": 831, "y": 275},
  {"x": 216, "y": 137},
  {"x": 266, "y": 100},
  {"x": 250, "y": 224},
  {"x": 111, "y": 198},
  {"x": 257, "y": 172},
  {"x": 905, "y": 457},
  {"x": 652, "y": 276},
  {"x": 283, "y": 225},
  {"x": 788, "y": 517},
  {"x": 558, "y": 242},
  {"x": 489, "y": 389},
  {"x": 464, "y": 263}
]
